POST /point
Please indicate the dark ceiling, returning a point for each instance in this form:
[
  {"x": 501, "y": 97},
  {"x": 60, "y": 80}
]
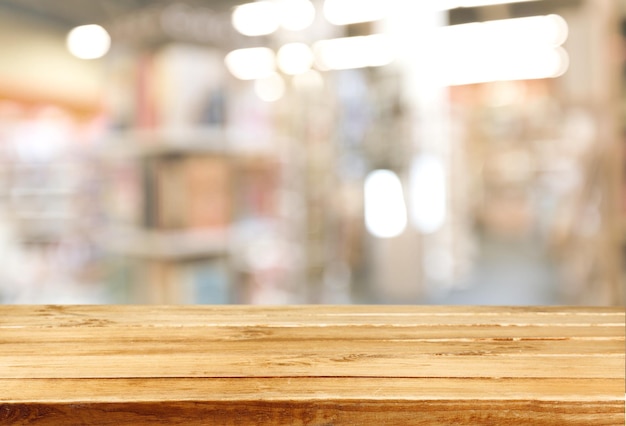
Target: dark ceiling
[
  {"x": 70, "y": 13},
  {"x": 66, "y": 14}
]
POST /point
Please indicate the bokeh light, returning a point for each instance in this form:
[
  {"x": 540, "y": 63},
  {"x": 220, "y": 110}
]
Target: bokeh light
[{"x": 88, "y": 41}]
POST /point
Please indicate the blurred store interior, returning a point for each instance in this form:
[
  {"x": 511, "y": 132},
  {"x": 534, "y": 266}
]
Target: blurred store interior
[{"x": 313, "y": 151}]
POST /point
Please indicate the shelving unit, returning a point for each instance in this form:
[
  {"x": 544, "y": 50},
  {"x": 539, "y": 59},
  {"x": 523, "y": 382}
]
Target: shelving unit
[
  {"x": 184, "y": 195},
  {"x": 166, "y": 245},
  {"x": 41, "y": 202},
  {"x": 194, "y": 170},
  {"x": 46, "y": 190}
]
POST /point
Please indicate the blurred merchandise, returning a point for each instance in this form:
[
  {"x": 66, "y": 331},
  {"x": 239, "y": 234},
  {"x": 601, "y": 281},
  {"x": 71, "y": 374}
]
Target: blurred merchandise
[
  {"x": 323, "y": 151},
  {"x": 48, "y": 194}
]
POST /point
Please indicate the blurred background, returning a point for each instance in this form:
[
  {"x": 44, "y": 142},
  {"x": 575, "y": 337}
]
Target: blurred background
[{"x": 313, "y": 151}]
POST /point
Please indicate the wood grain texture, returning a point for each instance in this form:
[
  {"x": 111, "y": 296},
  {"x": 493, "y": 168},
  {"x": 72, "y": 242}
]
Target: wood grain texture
[{"x": 311, "y": 365}]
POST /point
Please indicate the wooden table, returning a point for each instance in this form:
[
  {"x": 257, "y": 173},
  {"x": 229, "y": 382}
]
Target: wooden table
[{"x": 311, "y": 365}]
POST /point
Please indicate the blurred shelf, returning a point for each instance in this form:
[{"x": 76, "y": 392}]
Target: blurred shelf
[
  {"x": 45, "y": 215},
  {"x": 208, "y": 140},
  {"x": 37, "y": 192},
  {"x": 50, "y": 164},
  {"x": 166, "y": 245}
]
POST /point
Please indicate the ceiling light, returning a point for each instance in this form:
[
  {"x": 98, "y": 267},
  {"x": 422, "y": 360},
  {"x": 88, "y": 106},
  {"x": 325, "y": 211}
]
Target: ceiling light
[
  {"x": 510, "y": 49},
  {"x": 88, "y": 42},
  {"x": 252, "y": 63},
  {"x": 255, "y": 19},
  {"x": 295, "y": 58},
  {"x": 354, "y": 52}
]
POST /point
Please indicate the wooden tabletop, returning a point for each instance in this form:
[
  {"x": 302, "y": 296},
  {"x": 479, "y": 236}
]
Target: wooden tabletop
[{"x": 311, "y": 365}]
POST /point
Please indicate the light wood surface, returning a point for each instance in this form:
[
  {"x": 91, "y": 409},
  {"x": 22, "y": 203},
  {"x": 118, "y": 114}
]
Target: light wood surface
[{"x": 311, "y": 365}]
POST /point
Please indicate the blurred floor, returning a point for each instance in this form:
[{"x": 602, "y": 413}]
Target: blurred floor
[{"x": 507, "y": 272}]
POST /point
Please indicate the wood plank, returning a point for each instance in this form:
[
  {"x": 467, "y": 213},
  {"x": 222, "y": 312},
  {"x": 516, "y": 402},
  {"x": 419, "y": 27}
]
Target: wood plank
[
  {"x": 313, "y": 401},
  {"x": 275, "y": 332},
  {"x": 82, "y": 391},
  {"x": 307, "y": 364},
  {"x": 94, "y": 345},
  {"x": 311, "y": 365},
  {"x": 327, "y": 412},
  {"x": 67, "y": 316}
]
